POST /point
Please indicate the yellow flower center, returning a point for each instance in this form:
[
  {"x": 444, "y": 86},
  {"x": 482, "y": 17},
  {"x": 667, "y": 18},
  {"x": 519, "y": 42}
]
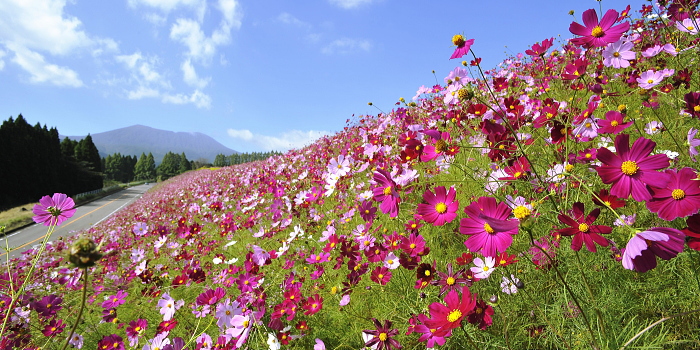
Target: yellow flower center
[
  {"x": 678, "y": 194},
  {"x": 588, "y": 125},
  {"x": 458, "y": 40},
  {"x": 246, "y": 323},
  {"x": 486, "y": 268},
  {"x": 614, "y": 123},
  {"x": 380, "y": 276},
  {"x": 427, "y": 273},
  {"x": 440, "y": 146},
  {"x": 488, "y": 228},
  {"x": 569, "y": 167},
  {"x": 597, "y": 32},
  {"x": 697, "y": 108},
  {"x": 616, "y": 54},
  {"x": 690, "y": 28},
  {"x": 521, "y": 212},
  {"x": 583, "y": 228},
  {"x": 450, "y": 281},
  {"x": 441, "y": 208},
  {"x": 629, "y": 167},
  {"x": 650, "y": 81},
  {"x": 454, "y": 315},
  {"x": 413, "y": 245},
  {"x": 383, "y": 336},
  {"x": 387, "y": 190}
]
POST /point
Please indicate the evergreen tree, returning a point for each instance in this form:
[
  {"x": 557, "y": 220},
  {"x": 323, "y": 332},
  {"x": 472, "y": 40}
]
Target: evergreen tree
[
  {"x": 184, "y": 164},
  {"x": 87, "y": 152},
  {"x": 169, "y": 167},
  {"x": 150, "y": 167},
  {"x": 220, "y": 160}
]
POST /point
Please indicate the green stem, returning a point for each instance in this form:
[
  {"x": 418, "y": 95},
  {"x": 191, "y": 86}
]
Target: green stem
[
  {"x": 590, "y": 293},
  {"x": 80, "y": 312},
  {"x": 16, "y": 296},
  {"x": 654, "y": 324},
  {"x": 469, "y": 338}
]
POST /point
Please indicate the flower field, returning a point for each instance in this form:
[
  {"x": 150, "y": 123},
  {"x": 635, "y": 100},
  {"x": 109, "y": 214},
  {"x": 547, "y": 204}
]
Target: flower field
[{"x": 550, "y": 203}]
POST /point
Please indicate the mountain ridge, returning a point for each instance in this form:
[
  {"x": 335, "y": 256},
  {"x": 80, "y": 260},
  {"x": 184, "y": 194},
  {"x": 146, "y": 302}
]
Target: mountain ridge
[{"x": 137, "y": 139}]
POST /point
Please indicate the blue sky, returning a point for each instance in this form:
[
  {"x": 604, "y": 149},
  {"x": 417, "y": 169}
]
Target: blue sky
[{"x": 256, "y": 75}]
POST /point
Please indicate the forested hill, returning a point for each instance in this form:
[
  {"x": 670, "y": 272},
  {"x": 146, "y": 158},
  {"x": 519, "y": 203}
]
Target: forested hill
[{"x": 137, "y": 139}]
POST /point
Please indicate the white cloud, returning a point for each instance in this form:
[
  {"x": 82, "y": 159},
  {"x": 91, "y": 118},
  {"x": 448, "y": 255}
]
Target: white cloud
[
  {"x": 41, "y": 25},
  {"x": 345, "y": 46},
  {"x": 41, "y": 71},
  {"x": 2, "y": 63},
  {"x": 143, "y": 70},
  {"x": 166, "y": 6},
  {"x": 190, "y": 76},
  {"x": 348, "y": 4},
  {"x": 287, "y": 18},
  {"x": 198, "y": 98},
  {"x": 288, "y": 140},
  {"x": 200, "y": 47},
  {"x": 143, "y": 92}
]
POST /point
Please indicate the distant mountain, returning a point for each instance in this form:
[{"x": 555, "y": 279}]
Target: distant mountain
[{"x": 137, "y": 139}]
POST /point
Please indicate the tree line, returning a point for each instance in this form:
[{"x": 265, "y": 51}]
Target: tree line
[
  {"x": 240, "y": 158},
  {"x": 35, "y": 163}
]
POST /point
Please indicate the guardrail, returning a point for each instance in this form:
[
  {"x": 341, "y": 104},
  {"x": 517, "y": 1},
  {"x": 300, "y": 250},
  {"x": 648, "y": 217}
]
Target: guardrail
[{"x": 97, "y": 191}]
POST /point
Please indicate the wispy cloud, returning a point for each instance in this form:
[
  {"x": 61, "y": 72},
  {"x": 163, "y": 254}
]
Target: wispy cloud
[
  {"x": 288, "y": 18},
  {"x": 349, "y": 4},
  {"x": 42, "y": 72},
  {"x": 346, "y": 45},
  {"x": 286, "y": 141}
]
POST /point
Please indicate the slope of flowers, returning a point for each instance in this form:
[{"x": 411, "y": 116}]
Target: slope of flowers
[{"x": 550, "y": 203}]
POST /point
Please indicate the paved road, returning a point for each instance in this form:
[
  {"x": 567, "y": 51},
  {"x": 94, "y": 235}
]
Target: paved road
[{"x": 85, "y": 217}]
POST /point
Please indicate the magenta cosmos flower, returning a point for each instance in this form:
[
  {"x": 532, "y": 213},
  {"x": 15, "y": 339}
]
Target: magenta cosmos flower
[
  {"x": 642, "y": 249},
  {"x": 385, "y": 192},
  {"x": 613, "y": 123},
  {"x": 679, "y": 199},
  {"x": 448, "y": 316},
  {"x": 580, "y": 226},
  {"x": 53, "y": 210},
  {"x": 598, "y": 34},
  {"x": 441, "y": 207},
  {"x": 462, "y": 46},
  {"x": 488, "y": 224},
  {"x": 631, "y": 170}
]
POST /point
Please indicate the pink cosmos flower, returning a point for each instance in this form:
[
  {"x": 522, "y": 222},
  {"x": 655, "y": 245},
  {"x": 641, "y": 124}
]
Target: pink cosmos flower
[
  {"x": 428, "y": 335},
  {"x": 642, "y": 249},
  {"x": 462, "y": 46},
  {"x": 448, "y": 316},
  {"x": 386, "y": 193},
  {"x": 489, "y": 227},
  {"x": 649, "y": 79},
  {"x": 693, "y": 143},
  {"x": 53, "y": 210},
  {"x": 679, "y": 199},
  {"x": 441, "y": 207},
  {"x": 687, "y": 25},
  {"x": 540, "y": 49},
  {"x": 613, "y": 123},
  {"x": 631, "y": 170},
  {"x": 381, "y": 275},
  {"x": 618, "y": 54},
  {"x": 598, "y": 34}
]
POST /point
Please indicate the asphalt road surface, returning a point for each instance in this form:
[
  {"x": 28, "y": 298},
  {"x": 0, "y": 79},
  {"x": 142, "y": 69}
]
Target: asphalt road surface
[{"x": 85, "y": 217}]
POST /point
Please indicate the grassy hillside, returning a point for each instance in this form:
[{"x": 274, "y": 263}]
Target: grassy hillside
[{"x": 551, "y": 203}]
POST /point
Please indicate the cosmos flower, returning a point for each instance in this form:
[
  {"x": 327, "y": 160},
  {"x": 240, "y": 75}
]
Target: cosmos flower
[
  {"x": 631, "y": 170},
  {"x": 598, "y": 34},
  {"x": 580, "y": 227},
  {"x": 489, "y": 227},
  {"x": 462, "y": 46},
  {"x": 679, "y": 199},
  {"x": 618, "y": 54},
  {"x": 382, "y": 336},
  {"x": 642, "y": 249},
  {"x": 53, "y": 210},
  {"x": 441, "y": 207}
]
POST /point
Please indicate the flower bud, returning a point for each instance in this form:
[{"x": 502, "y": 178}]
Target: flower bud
[{"x": 84, "y": 253}]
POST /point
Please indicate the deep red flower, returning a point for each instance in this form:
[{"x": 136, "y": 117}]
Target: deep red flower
[
  {"x": 692, "y": 103},
  {"x": 608, "y": 200},
  {"x": 598, "y": 34},
  {"x": 382, "y": 336},
  {"x": 693, "y": 231},
  {"x": 580, "y": 227},
  {"x": 631, "y": 170}
]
